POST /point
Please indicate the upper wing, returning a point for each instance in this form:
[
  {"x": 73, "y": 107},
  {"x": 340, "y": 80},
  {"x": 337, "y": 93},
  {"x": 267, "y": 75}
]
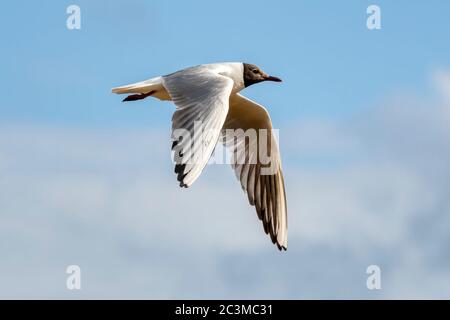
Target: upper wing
[
  {"x": 202, "y": 100},
  {"x": 257, "y": 164}
]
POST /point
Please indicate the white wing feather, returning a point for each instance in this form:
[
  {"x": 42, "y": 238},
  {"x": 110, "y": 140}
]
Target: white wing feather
[
  {"x": 200, "y": 95},
  {"x": 264, "y": 188}
]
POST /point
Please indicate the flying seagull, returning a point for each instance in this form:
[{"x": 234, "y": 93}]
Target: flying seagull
[{"x": 209, "y": 94}]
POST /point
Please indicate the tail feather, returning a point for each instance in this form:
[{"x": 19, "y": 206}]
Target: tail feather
[{"x": 139, "y": 87}]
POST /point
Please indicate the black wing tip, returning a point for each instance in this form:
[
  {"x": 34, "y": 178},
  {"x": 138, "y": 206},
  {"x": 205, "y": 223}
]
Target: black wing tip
[
  {"x": 268, "y": 231},
  {"x": 179, "y": 170}
]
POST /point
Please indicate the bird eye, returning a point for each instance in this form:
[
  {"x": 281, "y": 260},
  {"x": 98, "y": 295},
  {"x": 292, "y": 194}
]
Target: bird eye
[{"x": 255, "y": 71}]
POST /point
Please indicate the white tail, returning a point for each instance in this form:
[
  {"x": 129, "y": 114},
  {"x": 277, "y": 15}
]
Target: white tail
[{"x": 140, "y": 87}]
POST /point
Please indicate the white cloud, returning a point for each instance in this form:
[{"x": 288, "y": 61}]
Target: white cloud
[
  {"x": 442, "y": 83},
  {"x": 369, "y": 190}
]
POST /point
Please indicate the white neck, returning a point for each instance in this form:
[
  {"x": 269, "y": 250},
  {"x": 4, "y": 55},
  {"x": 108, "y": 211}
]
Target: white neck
[{"x": 232, "y": 70}]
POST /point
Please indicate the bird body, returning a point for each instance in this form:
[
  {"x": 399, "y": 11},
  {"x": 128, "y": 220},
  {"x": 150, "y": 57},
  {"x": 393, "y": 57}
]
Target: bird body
[
  {"x": 209, "y": 94},
  {"x": 232, "y": 70}
]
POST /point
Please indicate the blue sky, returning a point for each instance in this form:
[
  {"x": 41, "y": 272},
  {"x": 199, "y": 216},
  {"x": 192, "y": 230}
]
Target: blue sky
[
  {"x": 322, "y": 50},
  {"x": 364, "y": 120}
]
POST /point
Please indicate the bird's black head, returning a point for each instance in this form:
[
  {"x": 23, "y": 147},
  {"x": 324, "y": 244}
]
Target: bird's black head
[{"x": 253, "y": 74}]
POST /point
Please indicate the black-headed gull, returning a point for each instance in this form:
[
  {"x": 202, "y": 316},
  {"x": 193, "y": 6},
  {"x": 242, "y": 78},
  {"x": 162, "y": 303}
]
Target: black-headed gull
[{"x": 209, "y": 95}]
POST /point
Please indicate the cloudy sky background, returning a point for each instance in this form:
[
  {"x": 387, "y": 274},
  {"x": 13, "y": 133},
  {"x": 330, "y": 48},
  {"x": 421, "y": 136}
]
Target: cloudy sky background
[{"x": 364, "y": 119}]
